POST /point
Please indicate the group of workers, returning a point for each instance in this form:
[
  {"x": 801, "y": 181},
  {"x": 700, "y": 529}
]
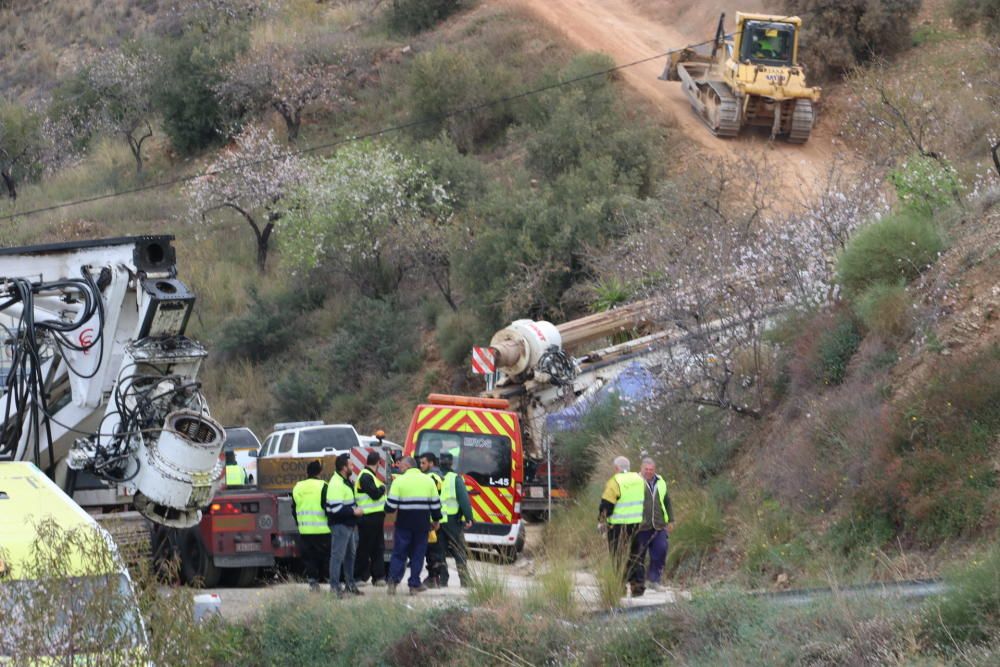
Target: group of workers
[
  {"x": 637, "y": 516},
  {"x": 345, "y": 518}
]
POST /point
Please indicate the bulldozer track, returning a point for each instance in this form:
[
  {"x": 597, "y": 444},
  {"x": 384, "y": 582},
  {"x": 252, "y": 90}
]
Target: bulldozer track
[
  {"x": 728, "y": 111},
  {"x": 802, "y": 122}
]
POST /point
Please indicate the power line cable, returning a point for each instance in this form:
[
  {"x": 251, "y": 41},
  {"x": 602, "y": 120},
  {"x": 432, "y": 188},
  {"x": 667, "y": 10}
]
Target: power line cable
[{"x": 361, "y": 137}]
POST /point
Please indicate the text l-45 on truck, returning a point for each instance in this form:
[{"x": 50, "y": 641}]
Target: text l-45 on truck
[{"x": 484, "y": 437}]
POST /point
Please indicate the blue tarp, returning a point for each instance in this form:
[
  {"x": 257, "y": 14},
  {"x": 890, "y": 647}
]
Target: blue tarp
[{"x": 633, "y": 385}]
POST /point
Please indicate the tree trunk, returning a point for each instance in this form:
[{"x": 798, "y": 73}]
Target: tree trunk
[
  {"x": 263, "y": 239},
  {"x": 8, "y": 180}
]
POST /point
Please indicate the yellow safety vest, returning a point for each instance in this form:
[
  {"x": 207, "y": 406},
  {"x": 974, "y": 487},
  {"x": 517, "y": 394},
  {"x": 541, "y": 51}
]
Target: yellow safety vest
[
  {"x": 235, "y": 475},
  {"x": 339, "y": 495},
  {"x": 308, "y": 497},
  {"x": 413, "y": 490},
  {"x": 449, "y": 496},
  {"x": 364, "y": 501},
  {"x": 661, "y": 492},
  {"x": 439, "y": 483},
  {"x": 632, "y": 494}
]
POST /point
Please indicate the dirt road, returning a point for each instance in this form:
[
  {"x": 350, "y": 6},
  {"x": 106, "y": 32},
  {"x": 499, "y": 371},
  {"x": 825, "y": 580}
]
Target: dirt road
[
  {"x": 243, "y": 603},
  {"x": 631, "y": 30}
]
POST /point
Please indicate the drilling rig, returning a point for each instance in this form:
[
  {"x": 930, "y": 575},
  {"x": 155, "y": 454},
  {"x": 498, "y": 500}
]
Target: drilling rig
[{"x": 99, "y": 379}]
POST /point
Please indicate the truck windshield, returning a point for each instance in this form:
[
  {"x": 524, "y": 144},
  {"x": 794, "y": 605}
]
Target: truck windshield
[
  {"x": 70, "y": 617},
  {"x": 240, "y": 438},
  {"x": 484, "y": 458},
  {"x": 767, "y": 43},
  {"x": 341, "y": 438}
]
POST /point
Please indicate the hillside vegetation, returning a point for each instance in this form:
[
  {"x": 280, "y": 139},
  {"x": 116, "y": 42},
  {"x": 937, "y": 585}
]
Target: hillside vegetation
[{"x": 855, "y": 436}]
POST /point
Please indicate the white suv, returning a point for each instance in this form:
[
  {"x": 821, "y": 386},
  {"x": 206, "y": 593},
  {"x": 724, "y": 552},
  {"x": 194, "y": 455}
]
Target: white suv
[{"x": 310, "y": 440}]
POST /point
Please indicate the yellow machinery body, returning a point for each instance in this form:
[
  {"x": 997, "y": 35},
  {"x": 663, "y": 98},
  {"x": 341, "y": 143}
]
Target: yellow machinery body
[{"x": 750, "y": 77}]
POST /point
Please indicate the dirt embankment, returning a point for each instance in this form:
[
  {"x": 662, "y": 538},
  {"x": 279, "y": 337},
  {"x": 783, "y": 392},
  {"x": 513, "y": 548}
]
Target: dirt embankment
[{"x": 632, "y": 30}]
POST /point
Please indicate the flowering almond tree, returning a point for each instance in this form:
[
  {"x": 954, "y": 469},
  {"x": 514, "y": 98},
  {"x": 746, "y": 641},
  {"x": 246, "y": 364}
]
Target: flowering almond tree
[
  {"x": 253, "y": 178},
  {"x": 375, "y": 214},
  {"x": 719, "y": 265},
  {"x": 122, "y": 85},
  {"x": 283, "y": 78}
]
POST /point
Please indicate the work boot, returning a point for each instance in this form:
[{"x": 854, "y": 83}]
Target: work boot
[
  {"x": 378, "y": 583},
  {"x": 353, "y": 590},
  {"x": 657, "y": 586},
  {"x": 637, "y": 590},
  {"x": 391, "y": 588},
  {"x": 430, "y": 582},
  {"x": 418, "y": 589},
  {"x": 340, "y": 593}
]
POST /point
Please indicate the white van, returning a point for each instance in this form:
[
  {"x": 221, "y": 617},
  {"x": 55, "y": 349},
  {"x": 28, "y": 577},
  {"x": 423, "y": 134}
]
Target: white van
[
  {"x": 244, "y": 443},
  {"x": 309, "y": 440}
]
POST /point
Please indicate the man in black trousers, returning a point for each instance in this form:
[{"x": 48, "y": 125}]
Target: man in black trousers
[{"x": 370, "y": 493}]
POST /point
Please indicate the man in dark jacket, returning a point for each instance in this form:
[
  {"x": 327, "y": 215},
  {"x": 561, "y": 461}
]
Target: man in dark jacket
[
  {"x": 370, "y": 493},
  {"x": 457, "y": 511},
  {"x": 343, "y": 512}
]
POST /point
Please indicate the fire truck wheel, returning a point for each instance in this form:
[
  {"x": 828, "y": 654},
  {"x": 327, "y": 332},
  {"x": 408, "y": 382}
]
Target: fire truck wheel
[
  {"x": 240, "y": 577},
  {"x": 196, "y": 563},
  {"x": 508, "y": 555}
]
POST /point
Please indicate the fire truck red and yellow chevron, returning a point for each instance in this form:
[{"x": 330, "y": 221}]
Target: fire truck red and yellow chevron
[{"x": 489, "y": 504}]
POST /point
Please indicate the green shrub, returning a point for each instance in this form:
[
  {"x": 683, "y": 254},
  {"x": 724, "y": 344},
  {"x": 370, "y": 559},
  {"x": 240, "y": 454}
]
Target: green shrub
[
  {"x": 836, "y": 36},
  {"x": 722, "y": 491},
  {"x": 836, "y": 347},
  {"x": 864, "y": 529},
  {"x": 573, "y": 448},
  {"x": 984, "y": 13},
  {"x": 269, "y": 325},
  {"x": 303, "y": 393},
  {"x": 412, "y": 16},
  {"x": 897, "y": 247},
  {"x": 970, "y": 610},
  {"x": 192, "y": 64},
  {"x": 886, "y": 310},
  {"x": 457, "y": 333},
  {"x": 694, "y": 538},
  {"x": 925, "y": 185},
  {"x": 443, "y": 81},
  {"x": 305, "y": 630}
]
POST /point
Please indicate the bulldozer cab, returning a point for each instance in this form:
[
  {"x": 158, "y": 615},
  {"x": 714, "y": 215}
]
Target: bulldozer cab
[{"x": 767, "y": 43}]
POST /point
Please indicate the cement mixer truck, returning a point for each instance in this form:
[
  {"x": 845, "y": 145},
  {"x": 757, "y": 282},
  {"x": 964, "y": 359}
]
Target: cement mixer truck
[{"x": 541, "y": 369}]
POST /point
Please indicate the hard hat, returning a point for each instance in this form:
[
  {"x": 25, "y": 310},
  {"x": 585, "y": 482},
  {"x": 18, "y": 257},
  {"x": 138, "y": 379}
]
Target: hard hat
[{"x": 773, "y": 32}]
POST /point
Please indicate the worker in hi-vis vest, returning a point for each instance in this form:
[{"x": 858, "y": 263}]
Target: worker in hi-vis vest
[
  {"x": 370, "y": 490},
  {"x": 620, "y": 514},
  {"x": 657, "y": 522},
  {"x": 456, "y": 510},
  {"x": 235, "y": 474},
  {"x": 308, "y": 501},
  {"x": 437, "y": 569},
  {"x": 414, "y": 498}
]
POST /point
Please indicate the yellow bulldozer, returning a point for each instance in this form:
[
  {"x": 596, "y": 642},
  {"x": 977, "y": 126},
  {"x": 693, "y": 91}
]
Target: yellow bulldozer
[{"x": 750, "y": 77}]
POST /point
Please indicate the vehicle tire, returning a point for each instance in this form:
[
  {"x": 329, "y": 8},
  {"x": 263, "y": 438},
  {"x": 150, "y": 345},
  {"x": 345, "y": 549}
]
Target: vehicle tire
[
  {"x": 240, "y": 577},
  {"x": 534, "y": 516},
  {"x": 165, "y": 549},
  {"x": 507, "y": 555},
  {"x": 519, "y": 543},
  {"x": 197, "y": 567}
]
